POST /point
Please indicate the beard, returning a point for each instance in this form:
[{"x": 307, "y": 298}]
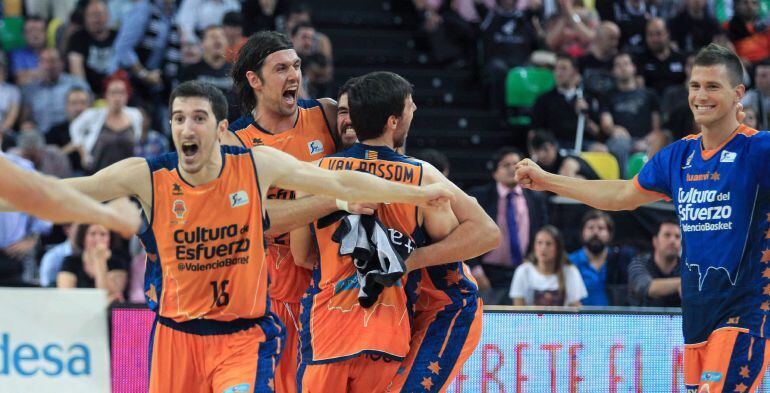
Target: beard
[{"x": 594, "y": 245}]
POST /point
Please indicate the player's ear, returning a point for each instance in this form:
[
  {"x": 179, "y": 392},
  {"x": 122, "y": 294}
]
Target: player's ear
[
  {"x": 254, "y": 80},
  {"x": 222, "y": 128},
  {"x": 740, "y": 91},
  {"x": 392, "y": 122}
]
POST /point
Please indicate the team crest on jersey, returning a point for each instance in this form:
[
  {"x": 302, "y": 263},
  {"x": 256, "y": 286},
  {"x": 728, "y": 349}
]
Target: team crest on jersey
[
  {"x": 176, "y": 189},
  {"x": 727, "y": 156},
  {"x": 239, "y": 198},
  {"x": 257, "y": 142},
  {"x": 179, "y": 209},
  {"x": 315, "y": 147}
]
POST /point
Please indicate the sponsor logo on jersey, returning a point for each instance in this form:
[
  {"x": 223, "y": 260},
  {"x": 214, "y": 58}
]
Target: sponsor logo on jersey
[
  {"x": 315, "y": 147},
  {"x": 257, "y": 142},
  {"x": 688, "y": 164},
  {"x": 711, "y": 376},
  {"x": 244, "y": 387},
  {"x": 176, "y": 189},
  {"x": 239, "y": 198},
  {"x": 727, "y": 156}
]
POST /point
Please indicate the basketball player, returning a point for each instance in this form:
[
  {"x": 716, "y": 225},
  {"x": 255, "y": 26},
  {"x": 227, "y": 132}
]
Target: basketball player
[
  {"x": 267, "y": 78},
  {"x": 719, "y": 181},
  {"x": 43, "y": 197},
  {"x": 381, "y": 108},
  {"x": 206, "y": 276},
  {"x": 346, "y": 134}
]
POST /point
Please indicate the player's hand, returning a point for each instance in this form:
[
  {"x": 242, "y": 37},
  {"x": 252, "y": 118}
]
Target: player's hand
[
  {"x": 362, "y": 208},
  {"x": 740, "y": 115},
  {"x": 127, "y": 217},
  {"x": 530, "y": 175},
  {"x": 435, "y": 195}
]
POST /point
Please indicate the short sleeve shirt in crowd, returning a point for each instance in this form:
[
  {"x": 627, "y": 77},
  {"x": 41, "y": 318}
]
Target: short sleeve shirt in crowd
[
  {"x": 74, "y": 264},
  {"x": 660, "y": 74},
  {"x": 96, "y": 56},
  {"x": 538, "y": 289},
  {"x": 633, "y": 110},
  {"x": 203, "y": 72},
  {"x": 722, "y": 197},
  {"x": 597, "y": 74}
]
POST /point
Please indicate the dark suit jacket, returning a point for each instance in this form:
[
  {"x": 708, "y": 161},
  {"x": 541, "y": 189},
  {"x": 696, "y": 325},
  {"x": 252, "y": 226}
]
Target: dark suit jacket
[{"x": 536, "y": 204}]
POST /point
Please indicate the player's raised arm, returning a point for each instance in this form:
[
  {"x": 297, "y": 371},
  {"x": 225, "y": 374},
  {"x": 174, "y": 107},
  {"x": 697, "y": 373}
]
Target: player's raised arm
[
  {"x": 51, "y": 200},
  {"x": 601, "y": 194},
  {"x": 125, "y": 178},
  {"x": 461, "y": 232},
  {"x": 289, "y": 173}
]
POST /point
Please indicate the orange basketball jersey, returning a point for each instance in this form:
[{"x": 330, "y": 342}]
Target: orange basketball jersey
[
  {"x": 309, "y": 140},
  {"x": 330, "y": 306},
  {"x": 205, "y": 245}
]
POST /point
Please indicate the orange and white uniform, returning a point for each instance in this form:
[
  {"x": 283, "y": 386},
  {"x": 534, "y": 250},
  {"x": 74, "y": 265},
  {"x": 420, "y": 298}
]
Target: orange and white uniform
[
  {"x": 309, "y": 140},
  {"x": 207, "y": 281},
  {"x": 345, "y": 347}
]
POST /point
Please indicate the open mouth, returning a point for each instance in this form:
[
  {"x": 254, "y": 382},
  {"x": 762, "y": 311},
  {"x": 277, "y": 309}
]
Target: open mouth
[
  {"x": 189, "y": 149},
  {"x": 704, "y": 108},
  {"x": 290, "y": 96}
]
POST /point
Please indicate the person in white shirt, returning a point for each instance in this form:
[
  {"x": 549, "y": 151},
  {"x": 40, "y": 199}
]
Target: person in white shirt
[{"x": 547, "y": 278}]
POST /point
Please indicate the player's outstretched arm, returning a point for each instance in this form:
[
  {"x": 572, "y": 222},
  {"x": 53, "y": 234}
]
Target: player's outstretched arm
[
  {"x": 283, "y": 170},
  {"x": 600, "y": 194},
  {"x": 461, "y": 232},
  {"x": 51, "y": 200},
  {"x": 125, "y": 178}
]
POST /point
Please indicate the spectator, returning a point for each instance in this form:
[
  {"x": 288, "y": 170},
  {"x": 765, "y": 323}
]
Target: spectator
[
  {"x": 677, "y": 116},
  {"x": 61, "y": 8},
  {"x": 631, "y": 113},
  {"x": 98, "y": 265},
  {"x": 544, "y": 150},
  {"x": 152, "y": 143},
  {"x": 435, "y": 158},
  {"x": 45, "y": 99},
  {"x": 78, "y": 100},
  {"x": 604, "y": 269},
  {"x": 232, "y": 24},
  {"x": 451, "y": 36},
  {"x": 509, "y": 37},
  {"x": 660, "y": 65},
  {"x": 547, "y": 278},
  {"x": 631, "y": 16},
  {"x": 10, "y": 100},
  {"x": 518, "y": 213},
  {"x": 25, "y": 61},
  {"x": 118, "y": 11},
  {"x": 213, "y": 67},
  {"x": 567, "y": 99},
  {"x": 572, "y": 30},
  {"x": 149, "y": 46},
  {"x": 317, "y": 77},
  {"x": 90, "y": 49},
  {"x": 48, "y": 159},
  {"x": 748, "y": 32},
  {"x": 596, "y": 66},
  {"x": 693, "y": 27},
  {"x": 196, "y": 15},
  {"x": 654, "y": 279},
  {"x": 261, "y": 15},
  {"x": 108, "y": 135},
  {"x": 53, "y": 259},
  {"x": 321, "y": 43},
  {"x": 759, "y": 96},
  {"x": 19, "y": 234}
]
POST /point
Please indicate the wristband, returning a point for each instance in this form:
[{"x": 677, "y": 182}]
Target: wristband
[{"x": 342, "y": 205}]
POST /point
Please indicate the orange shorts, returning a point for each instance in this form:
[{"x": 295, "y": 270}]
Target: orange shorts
[
  {"x": 367, "y": 373},
  {"x": 441, "y": 343},
  {"x": 731, "y": 360},
  {"x": 219, "y": 356},
  {"x": 286, "y": 372}
]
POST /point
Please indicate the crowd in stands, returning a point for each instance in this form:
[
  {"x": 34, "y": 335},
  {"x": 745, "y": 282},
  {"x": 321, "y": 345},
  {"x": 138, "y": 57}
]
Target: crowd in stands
[{"x": 89, "y": 84}]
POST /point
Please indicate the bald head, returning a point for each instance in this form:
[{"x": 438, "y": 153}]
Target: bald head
[{"x": 607, "y": 38}]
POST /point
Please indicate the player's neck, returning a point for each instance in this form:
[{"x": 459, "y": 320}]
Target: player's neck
[
  {"x": 381, "y": 141},
  {"x": 716, "y": 133},
  {"x": 208, "y": 173},
  {"x": 274, "y": 122}
]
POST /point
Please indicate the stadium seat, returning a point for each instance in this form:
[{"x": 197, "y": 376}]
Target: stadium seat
[
  {"x": 11, "y": 33},
  {"x": 522, "y": 87},
  {"x": 604, "y": 164},
  {"x": 635, "y": 164}
]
